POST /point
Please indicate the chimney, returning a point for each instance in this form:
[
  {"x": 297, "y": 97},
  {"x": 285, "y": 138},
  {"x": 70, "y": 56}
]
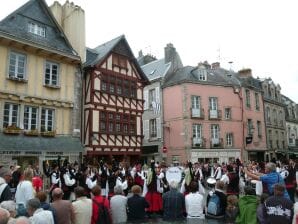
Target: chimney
[
  {"x": 170, "y": 52},
  {"x": 72, "y": 20},
  {"x": 141, "y": 53},
  {"x": 215, "y": 65},
  {"x": 245, "y": 73}
]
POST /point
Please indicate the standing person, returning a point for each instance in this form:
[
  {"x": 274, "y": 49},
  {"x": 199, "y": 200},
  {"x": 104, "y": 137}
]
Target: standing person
[
  {"x": 5, "y": 178},
  {"x": 261, "y": 216},
  {"x": 100, "y": 203},
  {"x": 278, "y": 208},
  {"x": 24, "y": 192},
  {"x": 82, "y": 207},
  {"x": 290, "y": 180},
  {"x": 173, "y": 203},
  {"x": 118, "y": 206},
  {"x": 4, "y": 216},
  {"x": 270, "y": 178},
  {"x": 55, "y": 179},
  {"x": 231, "y": 179},
  {"x": 10, "y": 206},
  {"x": 37, "y": 214},
  {"x": 194, "y": 204},
  {"x": 42, "y": 196},
  {"x": 136, "y": 205},
  {"x": 64, "y": 209},
  {"x": 232, "y": 209}
]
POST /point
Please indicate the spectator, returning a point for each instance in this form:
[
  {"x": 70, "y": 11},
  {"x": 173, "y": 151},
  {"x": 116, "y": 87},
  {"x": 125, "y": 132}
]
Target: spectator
[
  {"x": 232, "y": 209},
  {"x": 82, "y": 207},
  {"x": 216, "y": 203},
  {"x": 261, "y": 216},
  {"x": 295, "y": 216},
  {"x": 37, "y": 214},
  {"x": 194, "y": 204},
  {"x": 37, "y": 183},
  {"x": 96, "y": 200},
  {"x": 10, "y": 206},
  {"x": 5, "y": 178},
  {"x": 44, "y": 205},
  {"x": 278, "y": 208},
  {"x": 269, "y": 179},
  {"x": 24, "y": 192},
  {"x": 16, "y": 176},
  {"x": 231, "y": 179},
  {"x": 22, "y": 220},
  {"x": 248, "y": 207},
  {"x": 4, "y": 216},
  {"x": 118, "y": 206},
  {"x": 173, "y": 203},
  {"x": 136, "y": 205},
  {"x": 63, "y": 208}
]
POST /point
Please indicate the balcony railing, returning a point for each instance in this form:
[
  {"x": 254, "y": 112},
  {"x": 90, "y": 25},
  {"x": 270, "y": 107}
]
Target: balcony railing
[
  {"x": 198, "y": 142},
  {"x": 216, "y": 143},
  {"x": 214, "y": 114},
  {"x": 197, "y": 113}
]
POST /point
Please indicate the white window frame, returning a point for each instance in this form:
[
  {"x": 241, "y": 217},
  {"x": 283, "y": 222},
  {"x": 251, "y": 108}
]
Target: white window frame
[
  {"x": 214, "y": 131},
  {"x": 202, "y": 74},
  {"x": 151, "y": 97},
  {"x": 268, "y": 115},
  {"x": 31, "y": 117},
  {"x": 228, "y": 113},
  {"x": 229, "y": 139},
  {"x": 10, "y": 114},
  {"x": 213, "y": 103},
  {"x": 51, "y": 64},
  {"x": 197, "y": 131},
  {"x": 46, "y": 125},
  {"x": 257, "y": 99},
  {"x": 16, "y": 65},
  {"x": 247, "y": 98},
  {"x": 37, "y": 29},
  {"x": 195, "y": 102},
  {"x": 152, "y": 128},
  {"x": 259, "y": 128}
]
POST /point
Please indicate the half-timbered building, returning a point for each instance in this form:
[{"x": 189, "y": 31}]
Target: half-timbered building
[{"x": 113, "y": 102}]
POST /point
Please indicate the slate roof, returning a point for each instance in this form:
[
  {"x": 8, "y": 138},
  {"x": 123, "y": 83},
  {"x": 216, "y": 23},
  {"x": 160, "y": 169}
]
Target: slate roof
[
  {"x": 214, "y": 77},
  {"x": 15, "y": 26},
  {"x": 156, "y": 69},
  {"x": 119, "y": 45},
  {"x": 25, "y": 143}
]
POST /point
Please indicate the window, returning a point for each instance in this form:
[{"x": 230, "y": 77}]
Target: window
[
  {"x": 215, "y": 131},
  {"x": 268, "y": 118},
  {"x": 213, "y": 103},
  {"x": 152, "y": 128},
  {"x": 51, "y": 73},
  {"x": 202, "y": 74},
  {"x": 11, "y": 112},
  {"x": 119, "y": 61},
  {"x": 152, "y": 97},
  {"x": 229, "y": 139},
  {"x": 274, "y": 115},
  {"x": 47, "y": 120},
  {"x": 197, "y": 131},
  {"x": 259, "y": 127},
  {"x": 17, "y": 63},
  {"x": 270, "y": 139},
  {"x": 195, "y": 102},
  {"x": 36, "y": 29},
  {"x": 257, "y": 101},
  {"x": 247, "y": 98},
  {"x": 281, "y": 118},
  {"x": 250, "y": 127},
  {"x": 30, "y": 118},
  {"x": 227, "y": 113}
]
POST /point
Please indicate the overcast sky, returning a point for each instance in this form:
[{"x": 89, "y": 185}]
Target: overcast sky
[{"x": 261, "y": 35}]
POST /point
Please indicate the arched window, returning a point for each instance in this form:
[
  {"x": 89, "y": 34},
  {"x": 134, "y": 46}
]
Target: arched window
[{"x": 268, "y": 119}]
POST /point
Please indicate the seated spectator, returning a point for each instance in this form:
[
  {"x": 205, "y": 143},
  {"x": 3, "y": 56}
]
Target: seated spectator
[
  {"x": 118, "y": 205},
  {"x": 173, "y": 203},
  {"x": 194, "y": 204},
  {"x": 4, "y": 216},
  {"x": 216, "y": 203},
  {"x": 248, "y": 207},
  {"x": 261, "y": 216},
  {"x": 278, "y": 208},
  {"x": 232, "y": 209},
  {"x": 42, "y": 196},
  {"x": 136, "y": 205},
  {"x": 97, "y": 199},
  {"x": 10, "y": 206},
  {"x": 82, "y": 207},
  {"x": 37, "y": 214}
]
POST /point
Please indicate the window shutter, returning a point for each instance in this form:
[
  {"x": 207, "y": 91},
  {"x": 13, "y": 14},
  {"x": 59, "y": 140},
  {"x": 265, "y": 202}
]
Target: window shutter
[
  {"x": 157, "y": 94},
  {"x": 158, "y": 128},
  {"x": 146, "y": 129},
  {"x": 146, "y": 100}
]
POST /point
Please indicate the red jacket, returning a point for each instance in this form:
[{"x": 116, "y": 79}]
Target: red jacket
[{"x": 99, "y": 199}]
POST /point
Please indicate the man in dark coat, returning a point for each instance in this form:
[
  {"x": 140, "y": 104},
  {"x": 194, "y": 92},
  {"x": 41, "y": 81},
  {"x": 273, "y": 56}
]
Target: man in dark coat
[{"x": 5, "y": 178}]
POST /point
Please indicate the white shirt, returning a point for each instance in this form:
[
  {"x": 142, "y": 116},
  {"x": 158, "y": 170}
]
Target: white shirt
[
  {"x": 225, "y": 178},
  {"x": 82, "y": 210},
  {"x": 118, "y": 208},
  {"x": 90, "y": 183},
  {"x": 194, "y": 204},
  {"x": 41, "y": 216},
  {"x": 24, "y": 192}
]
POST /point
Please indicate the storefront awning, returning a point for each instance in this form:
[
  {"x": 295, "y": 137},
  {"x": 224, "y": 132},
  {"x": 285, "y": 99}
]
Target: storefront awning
[{"x": 25, "y": 143}]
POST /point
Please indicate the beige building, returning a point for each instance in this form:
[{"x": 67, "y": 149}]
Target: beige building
[{"x": 39, "y": 100}]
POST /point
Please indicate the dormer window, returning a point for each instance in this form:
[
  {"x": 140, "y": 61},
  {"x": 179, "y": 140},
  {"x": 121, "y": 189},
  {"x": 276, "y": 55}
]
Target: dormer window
[
  {"x": 36, "y": 29},
  {"x": 202, "y": 74}
]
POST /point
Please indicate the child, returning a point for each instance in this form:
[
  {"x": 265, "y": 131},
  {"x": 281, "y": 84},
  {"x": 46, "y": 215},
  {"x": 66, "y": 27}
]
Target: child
[{"x": 232, "y": 209}]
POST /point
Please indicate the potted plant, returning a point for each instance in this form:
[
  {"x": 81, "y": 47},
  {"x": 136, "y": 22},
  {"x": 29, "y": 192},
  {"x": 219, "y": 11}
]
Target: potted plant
[
  {"x": 12, "y": 129},
  {"x": 33, "y": 132},
  {"x": 48, "y": 133}
]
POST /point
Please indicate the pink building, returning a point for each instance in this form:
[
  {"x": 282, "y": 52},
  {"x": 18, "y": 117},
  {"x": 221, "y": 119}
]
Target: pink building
[{"x": 202, "y": 114}]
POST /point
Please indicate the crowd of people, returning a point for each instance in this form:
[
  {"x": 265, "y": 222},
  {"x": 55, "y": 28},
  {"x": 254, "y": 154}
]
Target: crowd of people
[{"x": 113, "y": 192}]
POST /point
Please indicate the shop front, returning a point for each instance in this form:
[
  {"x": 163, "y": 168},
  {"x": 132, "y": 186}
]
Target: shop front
[{"x": 215, "y": 155}]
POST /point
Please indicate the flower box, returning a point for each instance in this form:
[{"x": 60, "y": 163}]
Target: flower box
[
  {"x": 48, "y": 134},
  {"x": 31, "y": 133},
  {"x": 12, "y": 130}
]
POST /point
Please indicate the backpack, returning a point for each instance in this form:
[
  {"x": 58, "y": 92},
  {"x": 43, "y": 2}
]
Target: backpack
[
  {"x": 213, "y": 207},
  {"x": 103, "y": 213}
]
